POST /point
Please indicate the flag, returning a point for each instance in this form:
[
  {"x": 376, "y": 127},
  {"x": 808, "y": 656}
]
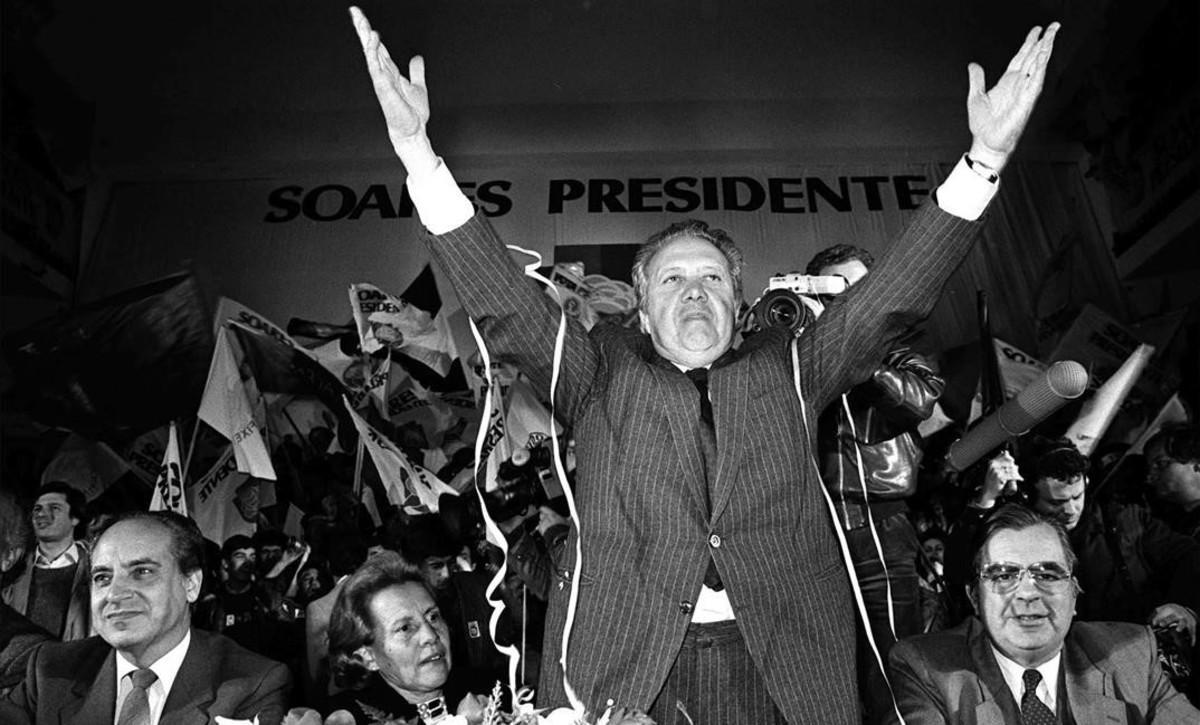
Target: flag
[
  {"x": 116, "y": 367},
  {"x": 528, "y": 422},
  {"x": 387, "y": 321},
  {"x": 168, "y": 489},
  {"x": 87, "y": 465},
  {"x": 408, "y": 485},
  {"x": 214, "y": 500},
  {"x": 226, "y": 407},
  {"x": 1172, "y": 412},
  {"x": 1098, "y": 412}
]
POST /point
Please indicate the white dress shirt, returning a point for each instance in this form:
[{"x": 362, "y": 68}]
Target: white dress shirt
[
  {"x": 1014, "y": 674},
  {"x": 67, "y": 557},
  {"x": 166, "y": 667}
]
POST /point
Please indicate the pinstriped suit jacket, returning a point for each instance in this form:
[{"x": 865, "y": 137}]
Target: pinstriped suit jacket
[{"x": 644, "y": 492}]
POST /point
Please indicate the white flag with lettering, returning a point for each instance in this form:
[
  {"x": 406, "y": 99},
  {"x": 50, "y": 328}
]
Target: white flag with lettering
[
  {"x": 168, "y": 489},
  {"x": 226, "y": 407},
  {"x": 408, "y": 485}
]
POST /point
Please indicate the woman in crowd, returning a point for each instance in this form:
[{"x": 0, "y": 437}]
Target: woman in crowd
[{"x": 390, "y": 647}]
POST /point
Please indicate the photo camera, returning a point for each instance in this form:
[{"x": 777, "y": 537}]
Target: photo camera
[
  {"x": 525, "y": 481},
  {"x": 792, "y": 300}
]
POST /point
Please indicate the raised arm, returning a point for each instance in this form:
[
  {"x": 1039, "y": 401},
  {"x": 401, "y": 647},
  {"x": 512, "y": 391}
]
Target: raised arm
[
  {"x": 404, "y": 101},
  {"x": 997, "y": 117}
]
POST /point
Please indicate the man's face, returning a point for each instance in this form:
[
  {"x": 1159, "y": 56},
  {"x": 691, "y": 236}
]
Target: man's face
[
  {"x": 240, "y": 564},
  {"x": 1171, "y": 480},
  {"x": 411, "y": 642},
  {"x": 268, "y": 556},
  {"x": 436, "y": 571},
  {"x": 246, "y": 500},
  {"x": 935, "y": 549},
  {"x": 1061, "y": 499},
  {"x": 689, "y": 305},
  {"x": 1028, "y": 623},
  {"x": 140, "y": 597},
  {"x": 52, "y": 519},
  {"x": 853, "y": 270},
  {"x": 309, "y": 583}
]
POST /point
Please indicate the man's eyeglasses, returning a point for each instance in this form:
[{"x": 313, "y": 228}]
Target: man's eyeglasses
[{"x": 1048, "y": 576}]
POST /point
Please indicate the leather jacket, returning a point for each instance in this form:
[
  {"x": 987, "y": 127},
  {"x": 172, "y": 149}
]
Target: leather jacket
[{"x": 886, "y": 410}]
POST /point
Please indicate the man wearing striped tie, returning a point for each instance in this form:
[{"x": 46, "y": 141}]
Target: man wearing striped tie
[
  {"x": 1021, "y": 658},
  {"x": 147, "y": 666}
]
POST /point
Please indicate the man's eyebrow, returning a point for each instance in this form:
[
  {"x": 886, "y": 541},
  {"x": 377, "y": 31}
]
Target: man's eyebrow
[{"x": 143, "y": 561}]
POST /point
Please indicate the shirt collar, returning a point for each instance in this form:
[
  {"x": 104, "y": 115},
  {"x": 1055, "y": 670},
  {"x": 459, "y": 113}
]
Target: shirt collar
[
  {"x": 1014, "y": 674},
  {"x": 166, "y": 667},
  {"x": 68, "y": 557}
]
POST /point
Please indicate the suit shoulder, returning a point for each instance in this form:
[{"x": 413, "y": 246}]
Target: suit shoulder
[
  {"x": 236, "y": 660},
  {"x": 1107, "y": 637}
]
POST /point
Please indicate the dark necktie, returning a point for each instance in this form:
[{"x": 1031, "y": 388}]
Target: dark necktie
[
  {"x": 136, "y": 709},
  {"x": 699, "y": 378},
  {"x": 1033, "y": 710}
]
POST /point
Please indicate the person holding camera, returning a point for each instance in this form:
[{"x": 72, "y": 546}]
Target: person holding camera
[
  {"x": 707, "y": 553},
  {"x": 870, "y": 452}
]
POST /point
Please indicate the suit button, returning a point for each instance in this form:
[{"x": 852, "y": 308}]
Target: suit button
[
  {"x": 714, "y": 541},
  {"x": 685, "y": 607}
]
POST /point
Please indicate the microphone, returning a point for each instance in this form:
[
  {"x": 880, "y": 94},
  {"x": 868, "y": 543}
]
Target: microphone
[{"x": 1060, "y": 382}]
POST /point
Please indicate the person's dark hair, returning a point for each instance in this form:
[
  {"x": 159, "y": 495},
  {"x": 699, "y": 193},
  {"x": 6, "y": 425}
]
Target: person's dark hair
[
  {"x": 1056, "y": 458},
  {"x": 425, "y": 536},
  {"x": 719, "y": 238},
  {"x": 1016, "y": 517},
  {"x": 235, "y": 542},
  {"x": 350, "y": 623},
  {"x": 270, "y": 537},
  {"x": 1180, "y": 441},
  {"x": 187, "y": 543},
  {"x": 76, "y": 501},
  {"x": 347, "y": 555},
  {"x": 838, "y": 254}
]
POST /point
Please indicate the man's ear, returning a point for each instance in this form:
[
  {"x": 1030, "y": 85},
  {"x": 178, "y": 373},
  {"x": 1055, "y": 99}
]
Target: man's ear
[
  {"x": 972, "y": 597},
  {"x": 191, "y": 584},
  {"x": 368, "y": 658}
]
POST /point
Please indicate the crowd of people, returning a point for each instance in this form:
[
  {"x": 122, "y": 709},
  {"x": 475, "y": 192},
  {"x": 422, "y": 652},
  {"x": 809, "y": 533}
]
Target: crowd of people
[{"x": 703, "y": 579}]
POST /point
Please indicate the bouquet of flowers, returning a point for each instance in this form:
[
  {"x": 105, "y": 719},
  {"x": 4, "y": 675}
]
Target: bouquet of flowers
[{"x": 480, "y": 710}]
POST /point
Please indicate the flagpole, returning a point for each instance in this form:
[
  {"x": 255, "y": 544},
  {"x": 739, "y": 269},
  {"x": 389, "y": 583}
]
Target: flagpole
[
  {"x": 187, "y": 462},
  {"x": 358, "y": 467}
]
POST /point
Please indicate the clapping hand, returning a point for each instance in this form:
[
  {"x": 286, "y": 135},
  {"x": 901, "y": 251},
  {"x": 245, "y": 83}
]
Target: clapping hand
[{"x": 997, "y": 117}]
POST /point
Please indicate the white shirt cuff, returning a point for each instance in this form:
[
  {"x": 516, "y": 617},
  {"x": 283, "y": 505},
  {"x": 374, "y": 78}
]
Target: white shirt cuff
[
  {"x": 439, "y": 202},
  {"x": 964, "y": 193}
]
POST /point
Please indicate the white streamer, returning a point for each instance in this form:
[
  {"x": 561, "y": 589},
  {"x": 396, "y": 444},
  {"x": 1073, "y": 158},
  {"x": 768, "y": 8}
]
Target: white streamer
[
  {"x": 573, "y": 601},
  {"x": 837, "y": 529}
]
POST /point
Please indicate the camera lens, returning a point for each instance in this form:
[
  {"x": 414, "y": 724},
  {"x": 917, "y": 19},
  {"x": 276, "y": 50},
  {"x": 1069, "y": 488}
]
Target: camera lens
[{"x": 782, "y": 308}]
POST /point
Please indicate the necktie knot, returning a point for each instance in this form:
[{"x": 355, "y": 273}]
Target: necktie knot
[
  {"x": 143, "y": 678},
  {"x": 699, "y": 376},
  {"x": 1032, "y": 679}
]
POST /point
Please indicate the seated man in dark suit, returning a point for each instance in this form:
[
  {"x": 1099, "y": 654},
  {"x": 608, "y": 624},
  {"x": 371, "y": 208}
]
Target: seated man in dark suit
[
  {"x": 1021, "y": 659},
  {"x": 148, "y": 665}
]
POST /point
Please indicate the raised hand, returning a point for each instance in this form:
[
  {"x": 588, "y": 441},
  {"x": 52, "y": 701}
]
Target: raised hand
[
  {"x": 404, "y": 101},
  {"x": 997, "y": 117}
]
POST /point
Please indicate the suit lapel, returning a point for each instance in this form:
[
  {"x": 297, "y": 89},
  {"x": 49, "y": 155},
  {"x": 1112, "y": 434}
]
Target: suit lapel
[
  {"x": 996, "y": 701},
  {"x": 97, "y": 696},
  {"x": 680, "y": 400},
  {"x": 730, "y": 388},
  {"x": 1089, "y": 688},
  {"x": 192, "y": 692}
]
